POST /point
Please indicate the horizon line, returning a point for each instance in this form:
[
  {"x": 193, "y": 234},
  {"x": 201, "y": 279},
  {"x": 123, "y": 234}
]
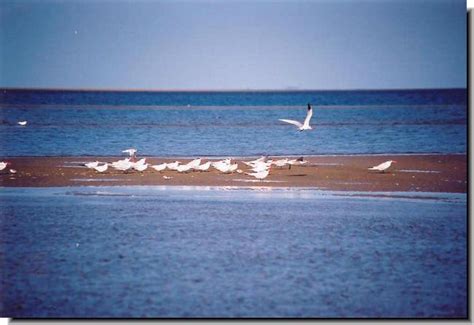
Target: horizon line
[{"x": 72, "y": 89}]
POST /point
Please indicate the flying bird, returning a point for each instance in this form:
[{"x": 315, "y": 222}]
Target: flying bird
[
  {"x": 305, "y": 125},
  {"x": 130, "y": 151},
  {"x": 383, "y": 166},
  {"x": 22, "y": 123}
]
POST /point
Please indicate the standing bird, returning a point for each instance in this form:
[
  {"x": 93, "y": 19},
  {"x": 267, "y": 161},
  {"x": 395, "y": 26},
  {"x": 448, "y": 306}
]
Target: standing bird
[
  {"x": 383, "y": 166},
  {"x": 256, "y": 161},
  {"x": 140, "y": 167},
  {"x": 224, "y": 168},
  {"x": 260, "y": 175},
  {"x": 281, "y": 162},
  {"x": 3, "y": 165},
  {"x": 140, "y": 162},
  {"x": 204, "y": 167},
  {"x": 261, "y": 166},
  {"x": 183, "y": 168},
  {"x": 173, "y": 165},
  {"x": 102, "y": 168},
  {"x": 159, "y": 167},
  {"x": 305, "y": 125},
  {"x": 193, "y": 164},
  {"x": 92, "y": 164},
  {"x": 299, "y": 161}
]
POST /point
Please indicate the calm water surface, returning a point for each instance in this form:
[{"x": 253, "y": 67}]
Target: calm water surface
[
  {"x": 65, "y": 123},
  {"x": 195, "y": 252}
]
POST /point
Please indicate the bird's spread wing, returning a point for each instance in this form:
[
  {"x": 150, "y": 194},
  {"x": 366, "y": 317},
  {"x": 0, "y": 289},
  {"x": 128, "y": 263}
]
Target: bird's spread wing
[
  {"x": 298, "y": 124},
  {"x": 308, "y": 117}
]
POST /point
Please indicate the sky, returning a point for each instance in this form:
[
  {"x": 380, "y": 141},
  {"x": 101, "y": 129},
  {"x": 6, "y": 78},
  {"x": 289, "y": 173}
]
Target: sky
[{"x": 221, "y": 45}]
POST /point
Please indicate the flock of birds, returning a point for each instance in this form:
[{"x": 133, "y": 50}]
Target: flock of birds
[{"x": 259, "y": 168}]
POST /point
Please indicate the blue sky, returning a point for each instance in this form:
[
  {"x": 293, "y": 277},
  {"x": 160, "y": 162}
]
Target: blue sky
[{"x": 233, "y": 44}]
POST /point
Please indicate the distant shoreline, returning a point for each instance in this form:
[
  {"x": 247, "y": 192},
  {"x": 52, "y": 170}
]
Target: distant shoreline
[{"x": 411, "y": 173}]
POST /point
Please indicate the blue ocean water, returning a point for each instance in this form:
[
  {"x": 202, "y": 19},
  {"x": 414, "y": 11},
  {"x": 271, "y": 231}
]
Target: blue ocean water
[
  {"x": 194, "y": 252},
  {"x": 71, "y": 123}
]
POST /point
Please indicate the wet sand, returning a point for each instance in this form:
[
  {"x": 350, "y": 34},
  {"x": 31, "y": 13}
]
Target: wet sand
[{"x": 419, "y": 173}]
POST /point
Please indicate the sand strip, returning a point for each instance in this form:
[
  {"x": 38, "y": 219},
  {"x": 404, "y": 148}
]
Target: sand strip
[{"x": 423, "y": 173}]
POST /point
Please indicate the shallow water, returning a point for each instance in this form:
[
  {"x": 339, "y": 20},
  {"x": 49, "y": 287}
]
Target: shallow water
[
  {"x": 205, "y": 251},
  {"x": 232, "y": 123}
]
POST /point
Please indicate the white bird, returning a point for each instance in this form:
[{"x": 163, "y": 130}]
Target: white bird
[
  {"x": 121, "y": 161},
  {"x": 232, "y": 168},
  {"x": 173, "y": 165},
  {"x": 226, "y": 161},
  {"x": 253, "y": 162},
  {"x": 131, "y": 151},
  {"x": 140, "y": 167},
  {"x": 262, "y": 166},
  {"x": 221, "y": 164},
  {"x": 204, "y": 167},
  {"x": 226, "y": 168},
  {"x": 280, "y": 162},
  {"x": 3, "y": 165},
  {"x": 383, "y": 166},
  {"x": 123, "y": 165},
  {"x": 159, "y": 167},
  {"x": 305, "y": 125},
  {"x": 299, "y": 161},
  {"x": 194, "y": 163},
  {"x": 102, "y": 168},
  {"x": 92, "y": 164},
  {"x": 13, "y": 171},
  {"x": 140, "y": 162},
  {"x": 22, "y": 123},
  {"x": 183, "y": 168},
  {"x": 260, "y": 175}
]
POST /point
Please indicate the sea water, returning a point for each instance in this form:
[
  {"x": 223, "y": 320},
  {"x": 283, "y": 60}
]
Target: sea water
[
  {"x": 227, "y": 252},
  {"x": 196, "y": 252},
  {"x": 68, "y": 123}
]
